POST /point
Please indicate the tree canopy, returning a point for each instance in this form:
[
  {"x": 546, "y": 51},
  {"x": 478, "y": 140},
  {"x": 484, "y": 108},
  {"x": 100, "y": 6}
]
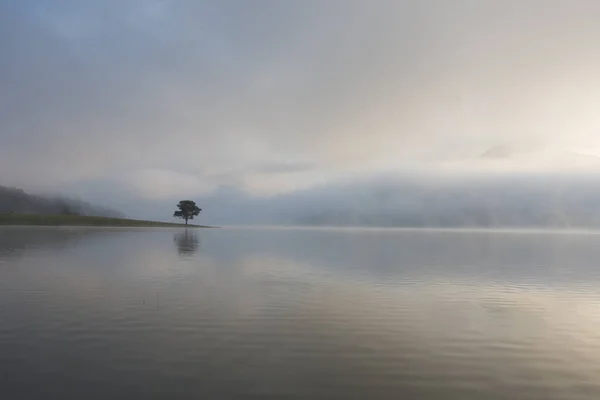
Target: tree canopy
[{"x": 187, "y": 209}]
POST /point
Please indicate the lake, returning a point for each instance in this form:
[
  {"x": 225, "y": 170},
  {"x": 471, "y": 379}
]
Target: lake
[{"x": 95, "y": 313}]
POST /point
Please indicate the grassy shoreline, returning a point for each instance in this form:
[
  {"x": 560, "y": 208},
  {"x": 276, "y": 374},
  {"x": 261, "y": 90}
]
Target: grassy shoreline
[{"x": 79, "y": 220}]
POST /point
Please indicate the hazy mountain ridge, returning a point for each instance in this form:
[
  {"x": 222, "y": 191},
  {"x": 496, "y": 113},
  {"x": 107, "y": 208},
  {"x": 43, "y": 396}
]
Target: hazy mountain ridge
[
  {"x": 14, "y": 200},
  {"x": 526, "y": 200},
  {"x": 495, "y": 202},
  {"x": 536, "y": 157}
]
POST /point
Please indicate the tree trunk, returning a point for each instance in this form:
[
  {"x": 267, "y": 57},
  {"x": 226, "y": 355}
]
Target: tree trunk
[{"x": 186, "y": 221}]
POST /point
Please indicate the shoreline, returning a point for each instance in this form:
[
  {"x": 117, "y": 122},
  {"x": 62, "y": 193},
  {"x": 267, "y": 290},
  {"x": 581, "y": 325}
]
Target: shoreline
[{"x": 86, "y": 221}]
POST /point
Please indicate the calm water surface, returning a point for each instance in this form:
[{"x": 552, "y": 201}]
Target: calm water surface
[{"x": 282, "y": 313}]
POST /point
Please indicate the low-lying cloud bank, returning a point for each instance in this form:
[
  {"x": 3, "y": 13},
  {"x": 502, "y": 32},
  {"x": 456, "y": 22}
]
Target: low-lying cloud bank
[
  {"x": 564, "y": 200},
  {"x": 13, "y": 200},
  {"x": 534, "y": 200}
]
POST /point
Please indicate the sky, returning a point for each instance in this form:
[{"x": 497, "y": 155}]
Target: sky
[{"x": 137, "y": 103}]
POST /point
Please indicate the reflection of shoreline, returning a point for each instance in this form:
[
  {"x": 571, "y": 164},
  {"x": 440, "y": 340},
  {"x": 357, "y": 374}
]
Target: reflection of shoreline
[
  {"x": 187, "y": 243},
  {"x": 16, "y": 239}
]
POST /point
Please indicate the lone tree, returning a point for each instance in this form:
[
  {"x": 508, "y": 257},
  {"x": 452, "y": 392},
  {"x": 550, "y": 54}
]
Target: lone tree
[{"x": 187, "y": 210}]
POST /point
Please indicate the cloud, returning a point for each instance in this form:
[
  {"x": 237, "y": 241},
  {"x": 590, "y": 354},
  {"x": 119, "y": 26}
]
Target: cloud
[
  {"x": 171, "y": 98},
  {"x": 156, "y": 184},
  {"x": 283, "y": 167}
]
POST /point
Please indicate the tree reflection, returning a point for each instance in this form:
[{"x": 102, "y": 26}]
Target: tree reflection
[{"x": 187, "y": 243}]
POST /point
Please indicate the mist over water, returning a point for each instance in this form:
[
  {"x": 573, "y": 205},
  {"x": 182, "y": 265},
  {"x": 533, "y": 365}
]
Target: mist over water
[{"x": 298, "y": 313}]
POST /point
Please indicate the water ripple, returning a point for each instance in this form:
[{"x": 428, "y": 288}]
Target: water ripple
[{"x": 272, "y": 315}]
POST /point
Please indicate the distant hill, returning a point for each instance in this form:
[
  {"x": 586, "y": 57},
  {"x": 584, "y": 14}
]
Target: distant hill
[
  {"x": 443, "y": 200},
  {"x": 540, "y": 158},
  {"x": 496, "y": 152},
  {"x": 489, "y": 201},
  {"x": 17, "y": 201}
]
